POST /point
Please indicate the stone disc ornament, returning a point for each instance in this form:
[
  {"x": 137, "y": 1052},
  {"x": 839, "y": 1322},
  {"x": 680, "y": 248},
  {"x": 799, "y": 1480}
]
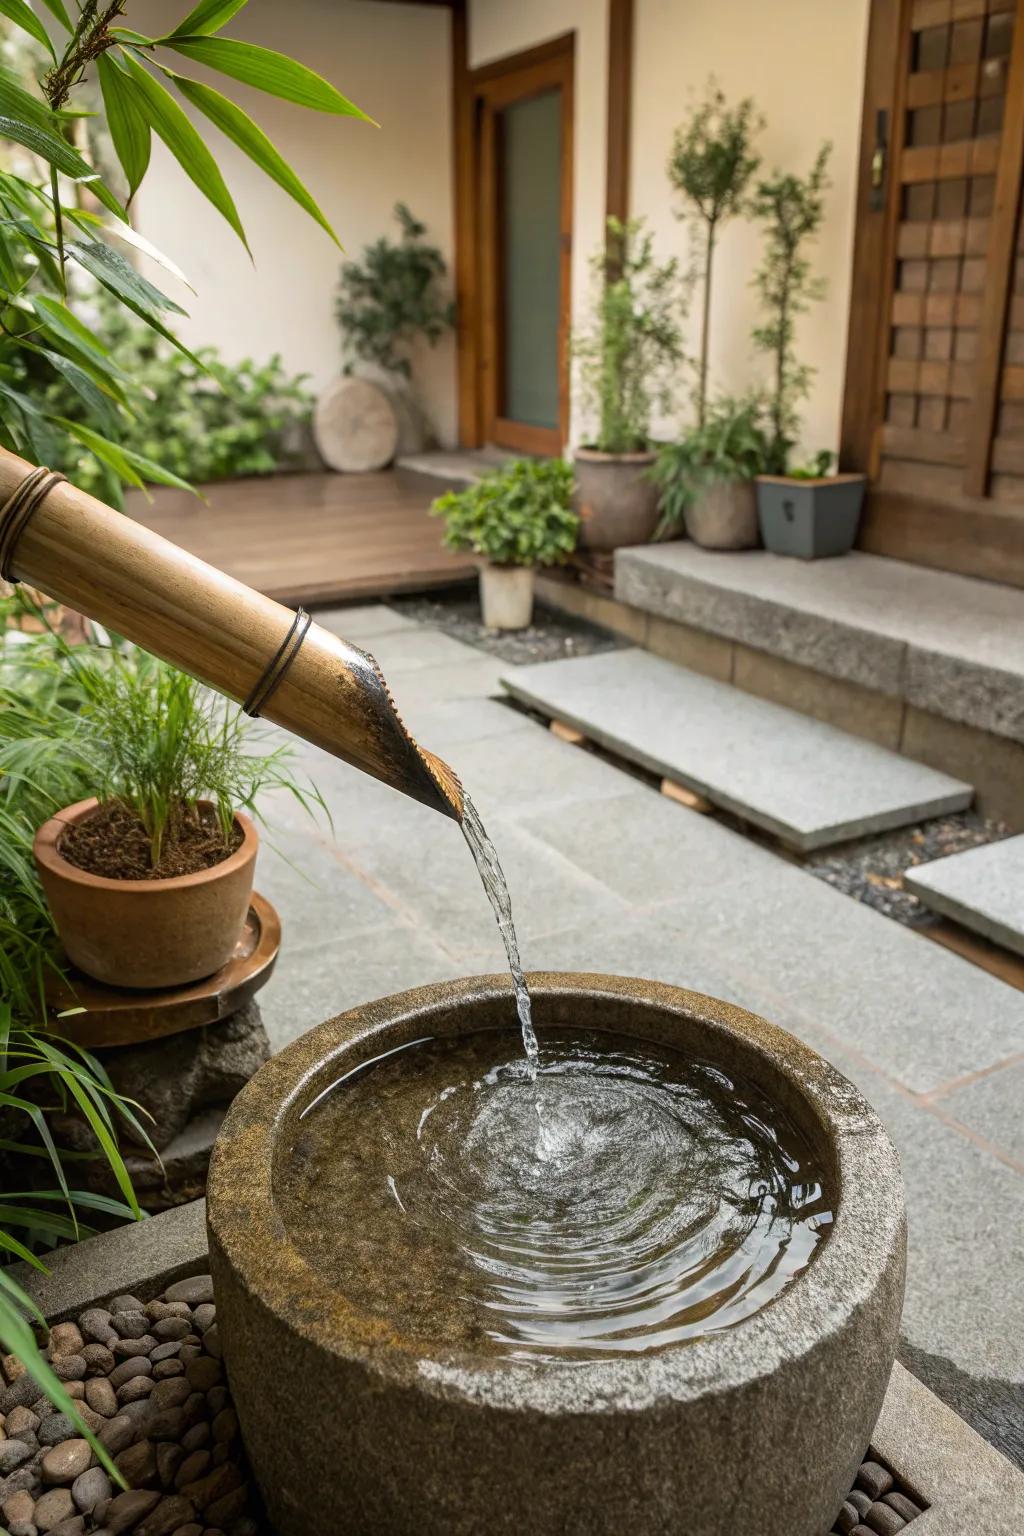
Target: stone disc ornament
[
  {"x": 438, "y": 1422},
  {"x": 355, "y": 426}
]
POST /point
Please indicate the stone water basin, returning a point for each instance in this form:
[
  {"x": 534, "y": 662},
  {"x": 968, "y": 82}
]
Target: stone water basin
[{"x": 395, "y": 1372}]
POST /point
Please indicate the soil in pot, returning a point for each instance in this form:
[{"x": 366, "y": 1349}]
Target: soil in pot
[{"x": 113, "y": 842}]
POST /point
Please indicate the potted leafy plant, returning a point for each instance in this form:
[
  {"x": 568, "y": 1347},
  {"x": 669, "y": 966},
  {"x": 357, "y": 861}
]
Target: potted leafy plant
[
  {"x": 804, "y": 512},
  {"x": 705, "y": 481},
  {"x": 149, "y": 878},
  {"x": 710, "y": 166},
  {"x": 394, "y": 296},
  {"x": 626, "y": 360},
  {"x": 516, "y": 518}
]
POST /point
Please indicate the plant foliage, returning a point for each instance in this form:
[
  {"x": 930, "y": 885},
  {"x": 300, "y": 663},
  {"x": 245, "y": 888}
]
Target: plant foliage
[
  {"x": 521, "y": 514},
  {"x": 62, "y": 223},
  {"x": 396, "y": 293},
  {"x": 731, "y": 445},
  {"x": 203, "y": 420},
  {"x": 628, "y": 356},
  {"x": 792, "y": 210},
  {"x": 711, "y": 165}
]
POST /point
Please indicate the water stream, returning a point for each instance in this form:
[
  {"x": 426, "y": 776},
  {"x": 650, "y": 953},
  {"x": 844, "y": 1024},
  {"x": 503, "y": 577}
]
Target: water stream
[{"x": 496, "y": 886}]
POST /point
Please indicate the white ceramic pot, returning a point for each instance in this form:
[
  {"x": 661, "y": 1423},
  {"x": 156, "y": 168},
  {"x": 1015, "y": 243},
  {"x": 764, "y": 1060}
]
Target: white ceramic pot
[{"x": 506, "y": 596}]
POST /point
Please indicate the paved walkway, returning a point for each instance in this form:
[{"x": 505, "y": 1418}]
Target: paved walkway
[{"x": 606, "y": 875}]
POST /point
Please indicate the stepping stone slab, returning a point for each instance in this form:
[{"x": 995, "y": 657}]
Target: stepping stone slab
[
  {"x": 983, "y": 888},
  {"x": 806, "y": 782}
]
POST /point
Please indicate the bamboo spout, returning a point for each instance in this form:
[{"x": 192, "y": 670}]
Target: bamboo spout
[{"x": 140, "y": 585}]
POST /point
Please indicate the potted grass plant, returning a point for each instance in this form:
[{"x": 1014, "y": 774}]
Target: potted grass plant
[
  {"x": 705, "y": 480},
  {"x": 515, "y": 519},
  {"x": 803, "y": 511},
  {"x": 149, "y": 877},
  {"x": 627, "y": 359}
]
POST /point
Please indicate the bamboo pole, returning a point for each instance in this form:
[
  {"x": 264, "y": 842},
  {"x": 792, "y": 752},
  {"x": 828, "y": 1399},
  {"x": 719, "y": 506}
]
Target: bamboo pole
[{"x": 98, "y": 561}]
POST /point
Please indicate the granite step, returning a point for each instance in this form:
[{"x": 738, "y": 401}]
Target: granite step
[
  {"x": 805, "y": 782},
  {"x": 982, "y": 888}
]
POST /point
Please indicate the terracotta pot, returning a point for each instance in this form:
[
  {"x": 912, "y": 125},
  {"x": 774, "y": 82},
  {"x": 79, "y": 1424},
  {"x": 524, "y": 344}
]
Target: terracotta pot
[
  {"x": 145, "y": 933},
  {"x": 506, "y": 596},
  {"x": 725, "y": 516},
  {"x": 618, "y": 504}
]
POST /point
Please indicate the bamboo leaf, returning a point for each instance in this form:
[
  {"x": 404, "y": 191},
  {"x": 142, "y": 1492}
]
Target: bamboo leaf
[
  {"x": 128, "y": 125},
  {"x": 56, "y": 8},
  {"x": 25, "y": 18},
  {"x": 184, "y": 142},
  {"x": 131, "y": 466},
  {"x": 250, "y": 138},
  {"x": 111, "y": 269},
  {"x": 274, "y": 73},
  {"x": 208, "y": 16}
]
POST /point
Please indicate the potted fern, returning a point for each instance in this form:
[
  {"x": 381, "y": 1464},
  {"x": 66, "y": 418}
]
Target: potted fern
[
  {"x": 626, "y": 358},
  {"x": 705, "y": 480},
  {"x": 515, "y": 519},
  {"x": 149, "y": 878},
  {"x": 803, "y": 511}
]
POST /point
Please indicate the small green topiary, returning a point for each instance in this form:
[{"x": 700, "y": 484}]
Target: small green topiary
[{"x": 520, "y": 514}]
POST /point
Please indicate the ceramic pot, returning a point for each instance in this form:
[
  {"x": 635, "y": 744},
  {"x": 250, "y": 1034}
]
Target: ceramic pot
[
  {"x": 725, "y": 516},
  {"x": 506, "y": 596},
  {"x": 810, "y": 519},
  {"x": 145, "y": 933},
  {"x": 617, "y": 502}
]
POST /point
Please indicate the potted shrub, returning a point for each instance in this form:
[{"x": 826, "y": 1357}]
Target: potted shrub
[
  {"x": 148, "y": 880},
  {"x": 705, "y": 481},
  {"x": 803, "y": 512},
  {"x": 516, "y": 518},
  {"x": 395, "y": 296},
  {"x": 626, "y": 362}
]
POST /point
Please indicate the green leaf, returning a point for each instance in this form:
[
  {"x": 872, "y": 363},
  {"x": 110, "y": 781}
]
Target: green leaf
[
  {"x": 110, "y": 268},
  {"x": 131, "y": 466},
  {"x": 274, "y": 73},
  {"x": 208, "y": 16},
  {"x": 85, "y": 388},
  {"x": 16, "y": 102},
  {"x": 63, "y": 323},
  {"x": 184, "y": 142},
  {"x": 128, "y": 125},
  {"x": 56, "y": 8},
  {"x": 240, "y": 128},
  {"x": 25, "y": 18},
  {"x": 60, "y": 155}
]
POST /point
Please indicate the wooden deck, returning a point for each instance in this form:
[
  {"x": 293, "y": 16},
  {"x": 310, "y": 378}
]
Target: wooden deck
[{"x": 314, "y": 539}]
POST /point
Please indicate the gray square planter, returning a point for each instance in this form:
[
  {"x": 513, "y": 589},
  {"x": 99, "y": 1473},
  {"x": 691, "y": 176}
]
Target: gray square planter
[{"x": 810, "y": 519}]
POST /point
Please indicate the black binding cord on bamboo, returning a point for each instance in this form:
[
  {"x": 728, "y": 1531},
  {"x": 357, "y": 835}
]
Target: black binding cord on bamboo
[
  {"x": 279, "y": 664},
  {"x": 19, "y": 507}
]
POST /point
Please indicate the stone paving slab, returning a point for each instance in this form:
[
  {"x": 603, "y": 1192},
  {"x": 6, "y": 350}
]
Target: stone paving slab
[
  {"x": 949, "y": 644},
  {"x": 983, "y": 888},
  {"x": 800, "y": 779}
]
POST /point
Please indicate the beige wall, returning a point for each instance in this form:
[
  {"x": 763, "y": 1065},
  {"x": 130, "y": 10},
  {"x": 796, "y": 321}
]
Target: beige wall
[
  {"x": 501, "y": 27},
  {"x": 394, "y": 61},
  {"x": 803, "y": 62}
]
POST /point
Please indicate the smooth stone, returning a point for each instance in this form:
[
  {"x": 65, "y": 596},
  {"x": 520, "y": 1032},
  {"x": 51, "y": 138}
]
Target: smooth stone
[
  {"x": 13, "y": 1368},
  {"x": 204, "y": 1373},
  {"x": 117, "y": 1434},
  {"x": 52, "y": 1508},
  {"x": 99, "y": 1359},
  {"x": 65, "y": 1339},
  {"x": 101, "y": 1397},
  {"x": 217, "y": 1398},
  {"x": 75, "y": 1390},
  {"x": 12, "y": 1454},
  {"x": 126, "y": 1304},
  {"x": 125, "y": 1510},
  {"x": 225, "y": 1426},
  {"x": 56, "y": 1428},
  {"x": 190, "y": 1352},
  {"x": 70, "y": 1368},
  {"x": 170, "y": 1328},
  {"x": 231, "y": 1506},
  {"x": 168, "y": 1424},
  {"x": 196, "y": 1437},
  {"x": 211, "y": 1341},
  {"x": 136, "y": 1389},
  {"x": 165, "y": 1369},
  {"x": 64, "y": 1462},
  {"x": 874, "y": 1479},
  {"x": 192, "y": 1468},
  {"x": 173, "y": 1510},
  {"x": 73, "y": 1527},
  {"x": 205, "y": 1316},
  {"x": 138, "y": 1413},
  {"x": 169, "y": 1458},
  {"x": 861, "y": 1501},
  {"x": 130, "y": 1325},
  {"x": 21, "y": 1421},
  {"x": 214, "y": 1485},
  {"x": 20, "y": 1393},
  {"x": 165, "y": 1351},
  {"x": 18, "y": 1507},
  {"x": 127, "y": 1349},
  {"x": 194, "y": 1291},
  {"x": 91, "y": 1488},
  {"x": 137, "y": 1365},
  {"x": 171, "y": 1394},
  {"x": 884, "y": 1520},
  {"x": 904, "y": 1507},
  {"x": 137, "y": 1465},
  {"x": 192, "y": 1529},
  {"x": 802, "y": 780},
  {"x": 95, "y": 1324}
]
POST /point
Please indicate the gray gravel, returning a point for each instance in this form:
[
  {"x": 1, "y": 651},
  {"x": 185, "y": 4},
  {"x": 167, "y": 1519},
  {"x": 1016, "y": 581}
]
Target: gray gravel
[{"x": 551, "y": 636}]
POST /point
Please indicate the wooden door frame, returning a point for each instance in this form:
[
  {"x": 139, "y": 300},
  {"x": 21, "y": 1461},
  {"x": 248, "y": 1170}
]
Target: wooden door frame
[
  {"x": 550, "y": 65},
  {"x": 971, "y": 533}
]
